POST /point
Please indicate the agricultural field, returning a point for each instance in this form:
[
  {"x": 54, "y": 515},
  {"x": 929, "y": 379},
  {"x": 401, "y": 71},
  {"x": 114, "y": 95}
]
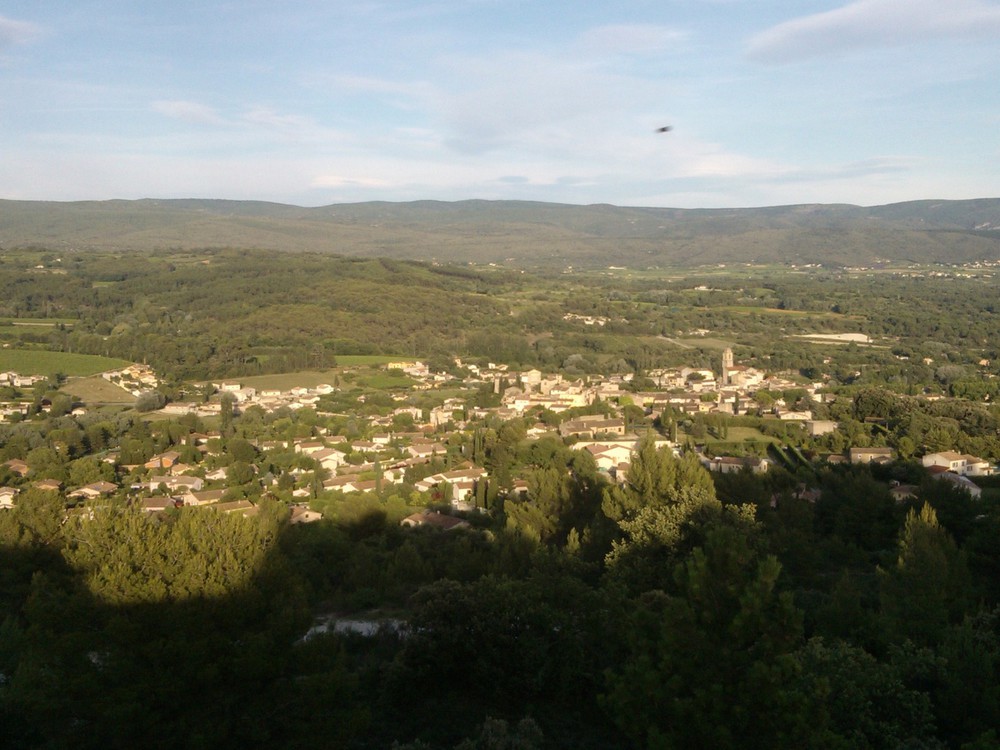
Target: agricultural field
[
  {"x": 96, "y": 390},
  {"x": 38, "y": 362},
  {"x": 288, "y": 380},
  {"x": 384, "y": 381}
]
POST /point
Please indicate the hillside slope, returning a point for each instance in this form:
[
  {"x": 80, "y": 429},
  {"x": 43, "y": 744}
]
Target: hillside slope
[{"x": 524, "y": 233}]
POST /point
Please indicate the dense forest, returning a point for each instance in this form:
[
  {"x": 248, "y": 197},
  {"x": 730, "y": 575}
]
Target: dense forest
[
  {"x": 525, "y": 234},
  {"x": 806, "y": 607},
  {"x": 672, "y": 611}
]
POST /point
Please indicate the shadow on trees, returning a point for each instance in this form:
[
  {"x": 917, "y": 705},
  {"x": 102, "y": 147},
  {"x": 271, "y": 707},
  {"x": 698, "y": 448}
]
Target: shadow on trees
[
  {"x": 121, "y": 631},
  {"x": 130, "y": 635},
  {"x": 120, "y": 667}
]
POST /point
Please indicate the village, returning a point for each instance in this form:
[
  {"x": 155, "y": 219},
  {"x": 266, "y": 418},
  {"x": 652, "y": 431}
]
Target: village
[{"x": 604, "y": 416}]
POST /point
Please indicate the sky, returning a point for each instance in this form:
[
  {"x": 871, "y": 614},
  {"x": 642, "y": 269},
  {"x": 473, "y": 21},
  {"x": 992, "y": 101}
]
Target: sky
[{"x": 313, "y": 102}]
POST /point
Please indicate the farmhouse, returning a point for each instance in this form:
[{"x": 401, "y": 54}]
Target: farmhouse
[{"x": 871, "y": 455}]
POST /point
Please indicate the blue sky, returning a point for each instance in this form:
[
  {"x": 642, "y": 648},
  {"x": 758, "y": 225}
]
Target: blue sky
[{"x": 319, "y": 101}]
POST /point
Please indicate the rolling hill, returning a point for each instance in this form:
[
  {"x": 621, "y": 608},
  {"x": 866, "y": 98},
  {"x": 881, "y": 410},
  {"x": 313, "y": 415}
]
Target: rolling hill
[{"x": 524, "y": 233}]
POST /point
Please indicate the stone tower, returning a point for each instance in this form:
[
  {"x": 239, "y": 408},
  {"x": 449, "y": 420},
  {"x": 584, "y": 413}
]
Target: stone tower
[{"x": 727, "y": 365}]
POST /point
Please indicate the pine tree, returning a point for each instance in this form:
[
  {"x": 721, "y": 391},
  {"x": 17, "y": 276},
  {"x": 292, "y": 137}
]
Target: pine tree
[{"x": 929, "y": 584}]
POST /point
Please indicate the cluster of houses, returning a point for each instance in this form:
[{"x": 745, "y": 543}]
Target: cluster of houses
[
  {"x": 688, "y": 390},
  {"x": 15, "y": 380},
  {"x": 20, "y": 407},
  {"x": 385, "y": 458},
  {"x": 136, "y": 378},
  {"x": 269, "y": 399},
  {"x": 168, "y": 484}
]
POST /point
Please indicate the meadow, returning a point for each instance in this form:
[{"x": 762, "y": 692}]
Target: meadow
[
  {"x": 94, "y": 389},
  {"x": 38, "y": 362}
]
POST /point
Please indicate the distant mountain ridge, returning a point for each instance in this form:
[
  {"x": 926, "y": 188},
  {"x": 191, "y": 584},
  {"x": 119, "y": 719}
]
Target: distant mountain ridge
[{"x": 524, "y": 233}]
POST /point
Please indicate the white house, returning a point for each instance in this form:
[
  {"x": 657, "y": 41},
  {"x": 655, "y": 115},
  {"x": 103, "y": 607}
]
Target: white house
[
  {"x": 958, "y": 463},
  {"x": 7, "y": 495}
]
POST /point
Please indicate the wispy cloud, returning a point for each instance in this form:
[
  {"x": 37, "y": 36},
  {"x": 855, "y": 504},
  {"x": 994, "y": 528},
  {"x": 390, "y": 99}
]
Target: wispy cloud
[
  {"x": 291, "y": 127},
  {"x": 372, "y": 84},
  {"x": 13, "y": 32},
  {"x": 636, "y": 39},
  {"x": 338, "y": 181},
  {"x": 875, "y": 23},
  {"x": 876, "y": 167},
  {"x": 193, "y": 112},
  {"x": 276, "y": 121},
  {"x": 262, "y": 121}
]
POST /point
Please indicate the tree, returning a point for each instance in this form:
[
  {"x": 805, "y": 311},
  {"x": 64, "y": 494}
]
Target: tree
[
  {"x": 46, "y": 463},
  {"x": 655, "y": 477},
  {"x": 497, "y": 734},
  {"x": 239, "y": 472},
  {"x": 88, "y": 470},
  {"x": 502, "y": 646},
  {"x": 709, "y": 666},
  {"x": 928, "y": 586},
  {"x": 241, "y": 450},
  {"x": 62, "y": 404},
  {"x": 150, "y": 401},
  {"x": 661, "y": 513},
  {"x": 226, "y": 409},
  {"x": 968, "y": 698},
  {"x": 39, "y": 515},
  {"x": 549, "y": 496},
  {"x": 857, "y": 701}
]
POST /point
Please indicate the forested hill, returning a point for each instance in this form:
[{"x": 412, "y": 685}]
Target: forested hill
[{"x": 524, "y": 233}]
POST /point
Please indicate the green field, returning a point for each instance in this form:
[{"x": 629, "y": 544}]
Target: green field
[
  {"x": 386, "y": 381},
  {"x": 96, "y": 390},
  {"x": 361, "y": 360},
  {"x": 40, "y": 362}
]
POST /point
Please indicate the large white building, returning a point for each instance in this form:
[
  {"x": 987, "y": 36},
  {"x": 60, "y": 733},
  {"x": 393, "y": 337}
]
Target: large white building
[{"x": 958, "y": 463}]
